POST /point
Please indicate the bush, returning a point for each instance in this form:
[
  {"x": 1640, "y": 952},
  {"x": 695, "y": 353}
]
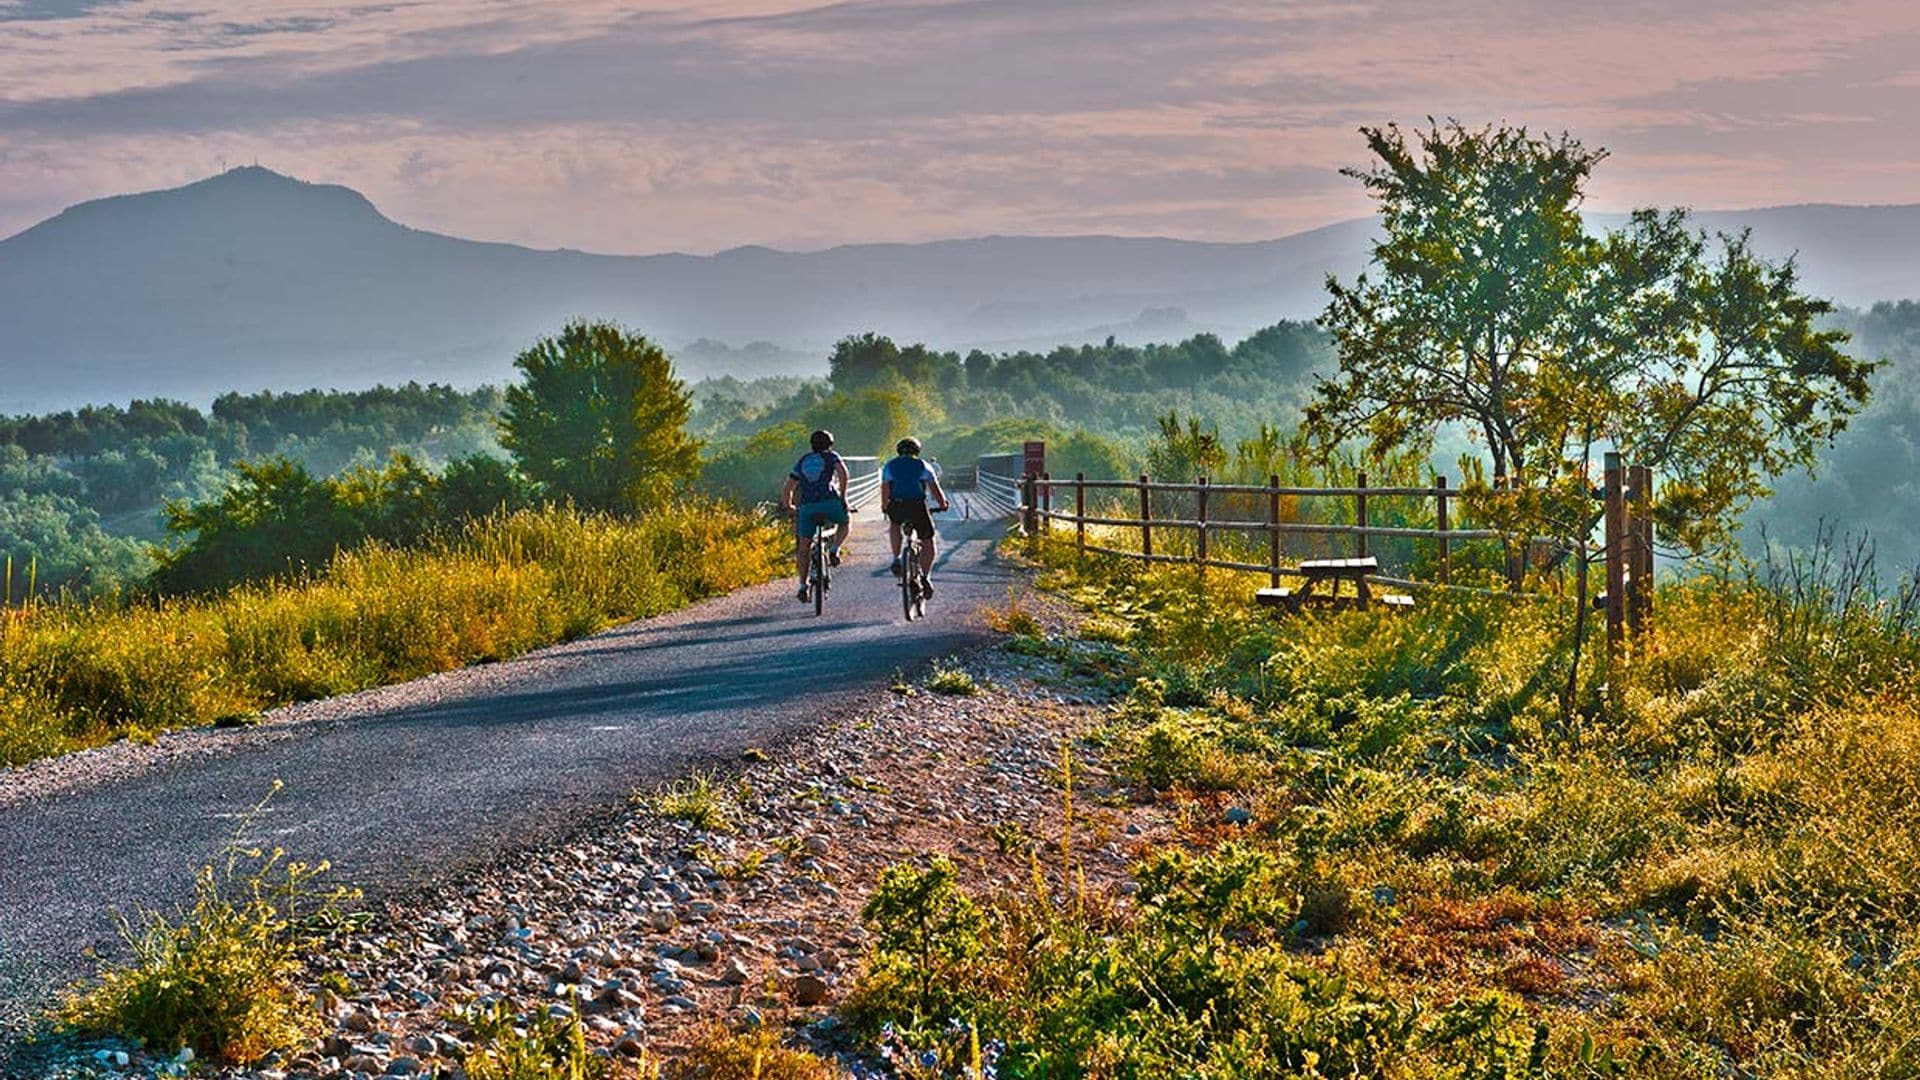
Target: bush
[{"x": 224, "y": 980}]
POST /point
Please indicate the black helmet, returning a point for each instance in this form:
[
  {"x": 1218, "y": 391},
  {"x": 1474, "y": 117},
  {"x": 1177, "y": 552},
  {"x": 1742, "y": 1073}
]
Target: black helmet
[
  {"x": 822, "y": 441},
  {"x": 909, "y": 446}
]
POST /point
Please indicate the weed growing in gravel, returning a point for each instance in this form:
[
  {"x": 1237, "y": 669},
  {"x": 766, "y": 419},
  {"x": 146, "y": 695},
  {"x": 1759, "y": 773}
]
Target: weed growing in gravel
[
  {"x": 695, "y": 800},
  {"x": 224, "y": 978},
  {"x": 535, "y": 1045},
  {"x": 74, "y": 675},
  {"x": 951, "y": 679},
  {"x": 749, "y": 1055},
  {"x": 1013, "y": 618}
]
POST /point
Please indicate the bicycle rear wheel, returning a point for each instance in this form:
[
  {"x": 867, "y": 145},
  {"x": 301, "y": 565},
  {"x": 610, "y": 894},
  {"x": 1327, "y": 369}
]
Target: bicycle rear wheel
[
  {"x": 819, "y": 575},
  {"x": 909, "y": 561}
]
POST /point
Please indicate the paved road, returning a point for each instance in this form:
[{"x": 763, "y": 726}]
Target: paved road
[{"x": 408, "y": 785}]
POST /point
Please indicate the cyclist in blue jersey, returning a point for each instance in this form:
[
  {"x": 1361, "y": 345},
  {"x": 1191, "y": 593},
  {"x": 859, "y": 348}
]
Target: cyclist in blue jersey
[
  {"x": 819, "y": 484},
  {"x": 905, "y": 483}
]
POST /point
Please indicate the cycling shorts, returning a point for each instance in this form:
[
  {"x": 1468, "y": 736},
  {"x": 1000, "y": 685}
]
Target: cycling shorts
[
  {"x": 811, "y": 515},
  {"x": 911, "y": 514}
]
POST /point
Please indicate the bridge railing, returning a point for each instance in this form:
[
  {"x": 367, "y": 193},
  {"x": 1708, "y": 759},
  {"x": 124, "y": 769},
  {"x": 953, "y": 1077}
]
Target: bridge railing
[{"x": 863, "y": 480}]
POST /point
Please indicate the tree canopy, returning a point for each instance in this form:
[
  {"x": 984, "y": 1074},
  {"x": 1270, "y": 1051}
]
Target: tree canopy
[
  {"x": 599, "y": 417},
  {"x": 1490, "y": 305}
]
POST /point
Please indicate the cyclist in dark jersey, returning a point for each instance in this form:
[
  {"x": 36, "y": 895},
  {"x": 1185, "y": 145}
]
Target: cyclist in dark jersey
[
  {"x": 819, "y": 481},
  {"x": 905, "y": 483}
]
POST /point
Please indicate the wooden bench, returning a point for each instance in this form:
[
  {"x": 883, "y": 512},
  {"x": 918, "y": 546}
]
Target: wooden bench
[{"x": 1329, "y": 573}]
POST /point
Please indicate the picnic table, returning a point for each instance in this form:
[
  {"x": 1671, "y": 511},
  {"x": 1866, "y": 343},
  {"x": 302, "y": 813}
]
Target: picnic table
[{"x": 1327, "y": 574}]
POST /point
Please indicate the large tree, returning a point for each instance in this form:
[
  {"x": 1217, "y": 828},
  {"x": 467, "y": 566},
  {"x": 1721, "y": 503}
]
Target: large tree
[
  {"x": 1489, "y": 305},
  {"x": 599, "y": 418}
]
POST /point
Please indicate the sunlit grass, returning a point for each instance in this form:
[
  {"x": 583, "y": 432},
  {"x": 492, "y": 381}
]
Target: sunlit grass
[
  {"x": 78, "y": 675},
  {"x": 1696, "y": 861}
]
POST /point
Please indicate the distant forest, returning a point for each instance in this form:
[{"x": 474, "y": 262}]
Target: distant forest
[{"x": 83, "y": 493}]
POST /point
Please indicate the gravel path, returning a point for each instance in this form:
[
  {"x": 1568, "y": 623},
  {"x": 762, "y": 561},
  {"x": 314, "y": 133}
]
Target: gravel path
[{"x": 412, "y": 786}]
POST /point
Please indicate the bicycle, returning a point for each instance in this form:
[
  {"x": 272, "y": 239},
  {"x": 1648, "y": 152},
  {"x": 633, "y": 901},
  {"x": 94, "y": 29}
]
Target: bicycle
[{"x": 913, "y": 576}]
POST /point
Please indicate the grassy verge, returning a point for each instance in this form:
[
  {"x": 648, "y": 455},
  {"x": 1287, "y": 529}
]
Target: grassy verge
[
  {"x": 1400, "y": 854},
  {"x": 78, "y": 675}
]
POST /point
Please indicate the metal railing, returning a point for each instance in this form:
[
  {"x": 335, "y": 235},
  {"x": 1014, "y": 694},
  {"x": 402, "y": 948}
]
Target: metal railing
[
  {"x": 863, "y": 480},
  {"x": 995, "y": 488}
]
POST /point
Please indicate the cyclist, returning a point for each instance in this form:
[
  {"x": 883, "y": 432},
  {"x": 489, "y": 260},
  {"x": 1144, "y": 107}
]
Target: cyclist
[
  {"x": 904, "y": 485},
  {"x": 819, "y": 479}
]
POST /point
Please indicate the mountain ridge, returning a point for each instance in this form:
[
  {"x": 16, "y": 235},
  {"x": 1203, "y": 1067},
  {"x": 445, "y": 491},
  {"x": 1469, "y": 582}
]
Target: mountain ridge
[{"x": 251, "y": 279}]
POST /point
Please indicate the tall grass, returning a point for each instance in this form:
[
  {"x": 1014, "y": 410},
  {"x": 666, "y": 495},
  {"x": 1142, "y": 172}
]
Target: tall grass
[{"x": 74, "y": 675}]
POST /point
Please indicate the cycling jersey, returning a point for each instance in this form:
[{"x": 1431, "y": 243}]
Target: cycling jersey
[{"x": 908, "y": 477}]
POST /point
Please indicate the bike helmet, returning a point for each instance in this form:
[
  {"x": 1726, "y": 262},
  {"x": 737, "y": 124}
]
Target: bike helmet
[
  {"x": 822, "y": 441},
  {"x": 909, "y": 446}
]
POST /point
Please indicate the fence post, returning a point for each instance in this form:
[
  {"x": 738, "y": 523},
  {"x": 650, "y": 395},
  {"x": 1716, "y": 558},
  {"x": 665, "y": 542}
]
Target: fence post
[
  {"x": 1616, "y": 530},
  {"x": 1640, "y": 526},
  {"x": 1360, "y": 512},
  {"x": 1146, "y": 518},
  {"x": 1273, "y": 529},
  {"x": 1203, "y": 528},
  {"x": 1080, "y": 514},
  {"x": 1046, "y": 503},
  {"x": 1441, "y": 523}
]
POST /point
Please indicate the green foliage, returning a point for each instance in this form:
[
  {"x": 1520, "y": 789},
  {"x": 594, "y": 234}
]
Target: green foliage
[
  {"x": 79, "y": 490},
  {"x": 753, "y": 470},
  {"x": 533, "y": 1045},
  {"x": 598, "y": 418},
  {"x": 78, "y": 674},
  {"x": 279, "y": 521},
  {"x": 952, "y": 680},
  {"x": 224, "y": 978},
  {"x": 1495, "y": 309},
  {"x": 928, "y": 940},
  {"x": 695, "y": 800}
]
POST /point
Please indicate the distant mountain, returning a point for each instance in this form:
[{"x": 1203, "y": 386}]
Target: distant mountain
[{"x": 252, "y": 280}]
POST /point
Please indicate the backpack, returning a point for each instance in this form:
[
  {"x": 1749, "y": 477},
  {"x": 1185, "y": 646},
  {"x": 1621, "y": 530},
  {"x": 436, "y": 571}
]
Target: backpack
[{"x": 816, "y": 474}]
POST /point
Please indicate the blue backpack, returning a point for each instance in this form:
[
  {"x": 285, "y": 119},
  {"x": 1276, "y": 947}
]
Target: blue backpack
[{"x": 816, "y": 474}]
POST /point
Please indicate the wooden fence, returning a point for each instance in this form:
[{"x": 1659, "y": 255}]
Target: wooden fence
[{"x": 1044, "y": 504}]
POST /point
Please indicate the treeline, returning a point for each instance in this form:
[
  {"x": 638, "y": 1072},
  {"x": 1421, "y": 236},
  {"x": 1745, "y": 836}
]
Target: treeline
[
  {"x": 1098, "y": 406},
  {"x": 1868, "y": 481},
  {"x": 83, "y": 492}
]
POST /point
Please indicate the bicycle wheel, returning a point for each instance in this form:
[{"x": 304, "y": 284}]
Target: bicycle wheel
[
  {"x": 910, "y": 559},
  {"x": 819, "y": 575},
  {"x": 920, "y": 592}
]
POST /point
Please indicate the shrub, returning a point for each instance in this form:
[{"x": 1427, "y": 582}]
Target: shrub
[
  {"x": 953, "y": 680},
  {"x": 694, "y": 800},
  {"x": 534, "y": 1045},
  {"x": 225, "y": 979},
  {"x": 928, "y": 938}
]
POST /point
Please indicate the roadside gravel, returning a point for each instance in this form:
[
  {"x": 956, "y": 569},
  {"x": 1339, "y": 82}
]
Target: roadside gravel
[{"x": 655, "y": 930}]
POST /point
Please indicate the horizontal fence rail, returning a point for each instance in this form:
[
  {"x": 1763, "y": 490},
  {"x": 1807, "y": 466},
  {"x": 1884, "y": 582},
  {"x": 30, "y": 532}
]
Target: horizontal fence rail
[{"x": 1198, "y": 515}]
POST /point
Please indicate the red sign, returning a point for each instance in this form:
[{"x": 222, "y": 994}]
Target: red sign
[{"x": 1033, "y": 459}]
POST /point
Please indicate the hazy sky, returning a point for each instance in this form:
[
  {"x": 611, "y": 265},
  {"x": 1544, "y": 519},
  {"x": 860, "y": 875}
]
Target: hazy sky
[{"x": 699, "y": 126}]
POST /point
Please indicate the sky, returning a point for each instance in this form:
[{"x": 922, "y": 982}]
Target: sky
[{"x": 645, "y": 127}]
